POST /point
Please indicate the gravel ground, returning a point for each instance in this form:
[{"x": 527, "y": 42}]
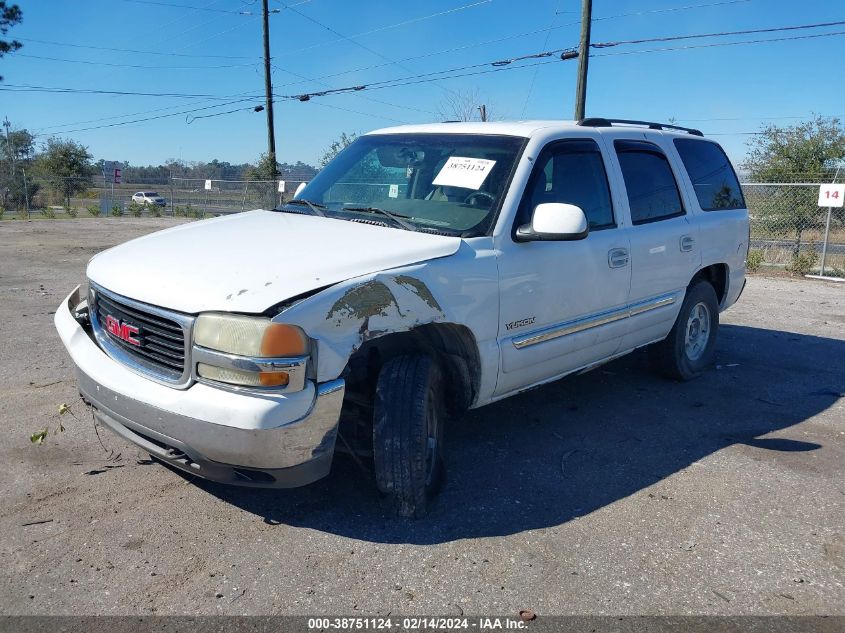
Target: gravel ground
[{"x": 615, "y": 492}]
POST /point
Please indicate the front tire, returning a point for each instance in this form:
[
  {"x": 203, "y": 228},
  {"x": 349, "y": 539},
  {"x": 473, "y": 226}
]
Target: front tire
[
  {"x": 408, "y": 432},
  {"x": 691, "y": 345}
]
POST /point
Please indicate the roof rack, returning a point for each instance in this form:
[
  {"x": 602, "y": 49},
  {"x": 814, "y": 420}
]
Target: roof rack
[{"x": 601, "y": 122}]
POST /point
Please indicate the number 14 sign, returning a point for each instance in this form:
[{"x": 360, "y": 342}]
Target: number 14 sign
[{"x": 831, "y": 195}]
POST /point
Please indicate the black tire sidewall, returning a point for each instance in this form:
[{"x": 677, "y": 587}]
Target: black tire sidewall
[
  {"x": 701, "y": 292},
  {"x": 408, "y": 387}
]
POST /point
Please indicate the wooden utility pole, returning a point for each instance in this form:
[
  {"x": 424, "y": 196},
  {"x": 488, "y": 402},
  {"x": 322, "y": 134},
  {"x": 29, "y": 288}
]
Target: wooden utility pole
[
  {"x": 482, "y": 109},
  {"x": 268, "y": 89},
  {"x": 583, "y": 58}
]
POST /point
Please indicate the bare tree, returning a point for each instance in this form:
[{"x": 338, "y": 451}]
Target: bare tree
[{"x": 465, "y": 105}]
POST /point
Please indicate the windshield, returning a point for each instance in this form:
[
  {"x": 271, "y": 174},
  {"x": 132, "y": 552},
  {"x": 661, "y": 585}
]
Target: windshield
[
  {"x": 152, "y": 194},
  {"x": 452, "y": 183}
]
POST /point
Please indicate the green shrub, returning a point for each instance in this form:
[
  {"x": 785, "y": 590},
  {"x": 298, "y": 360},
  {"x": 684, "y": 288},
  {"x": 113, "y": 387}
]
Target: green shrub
[
  {"x": 49, "y": 213},
  {"x": 94, "y": 211},
  {"x": 135, "y": 209},
  {"x": 155, "y": 211},
  {"x": 71, "y": 212},
  {"x": 116, "y": 211},
  {"x": 754, "y": 260},
  {"x": 179, "y": 212},
  {"x": 2, "y": 212},
  {"x": 802, "y": 263},
  {"x": 190, "y": 212}
]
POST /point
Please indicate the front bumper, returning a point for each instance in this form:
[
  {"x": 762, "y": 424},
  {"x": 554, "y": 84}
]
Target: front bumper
[{"x": 276, "y": 441}]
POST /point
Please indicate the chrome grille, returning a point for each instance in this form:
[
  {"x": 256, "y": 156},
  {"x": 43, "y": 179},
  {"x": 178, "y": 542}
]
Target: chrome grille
[{"x": 163, "y": 336}]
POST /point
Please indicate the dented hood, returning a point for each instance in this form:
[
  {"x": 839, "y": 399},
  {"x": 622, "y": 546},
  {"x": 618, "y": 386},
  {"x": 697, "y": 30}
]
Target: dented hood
[{"x": 248, "y": 262}]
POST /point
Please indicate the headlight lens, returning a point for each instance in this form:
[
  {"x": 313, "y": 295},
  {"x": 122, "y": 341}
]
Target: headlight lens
[
  {"x": 244, "y": 378},
  {"x": 253, "y": 339},
  {"x": 249, "y": 336}
]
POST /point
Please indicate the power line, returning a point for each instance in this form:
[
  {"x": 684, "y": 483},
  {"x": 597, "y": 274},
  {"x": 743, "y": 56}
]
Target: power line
[
  {"x": 195, "y": 8},
  {"x": 519, "y": 35},
  {"x": 71, "y": 124},
  {"x": 184, "y": 6},
  {"x": 450, "y": 73},
  {"x": 135, "y": 51},
  {"x": 537, "y": 70},
  {"x": 387, "y": 27},
  {"x": 694, "y": 46},
  {"x": 370, "y": 114},
  {"x": 673, "y": 38},
  {"x": 349, "y": 39},
  {"x": 163, "y": 116},
  {"x": 425, "y": 77},
  {"x": 667, "y": 10},
  {"x": 30, "y": 88},
  {"x": 434, "y": 76},
  {"x": 145, "y": 67},
  {"x": 387, "y": 103}
]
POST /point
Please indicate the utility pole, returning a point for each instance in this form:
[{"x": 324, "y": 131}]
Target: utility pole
[
  {"x": 583, "y": 58},
  {"x": 268, "y": 89},
  {"x": 483, "y": 111},
  {"x": 9, "y": 147}
]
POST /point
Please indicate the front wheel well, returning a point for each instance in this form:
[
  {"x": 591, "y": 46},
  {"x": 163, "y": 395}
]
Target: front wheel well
[
  {"x": 452, "y": 345},
  {"x": 717, "y": 276}
]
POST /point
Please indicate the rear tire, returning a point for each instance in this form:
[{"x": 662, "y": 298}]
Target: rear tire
[
  {"x": 691, "y": 345},
  {"x": 408, "y": 432}
]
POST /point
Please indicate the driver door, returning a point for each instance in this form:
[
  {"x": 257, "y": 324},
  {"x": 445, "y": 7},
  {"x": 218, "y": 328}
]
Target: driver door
[{"x": 563, "y": 303}]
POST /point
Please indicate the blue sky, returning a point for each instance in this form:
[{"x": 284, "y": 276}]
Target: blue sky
[{"x": 212, "y": 49}]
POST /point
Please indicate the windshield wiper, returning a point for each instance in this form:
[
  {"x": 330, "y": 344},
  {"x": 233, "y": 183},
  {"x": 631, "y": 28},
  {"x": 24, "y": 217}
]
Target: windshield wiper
[
  {"x": 396, "y": 217},
  {"x": 315, "y": 207}
]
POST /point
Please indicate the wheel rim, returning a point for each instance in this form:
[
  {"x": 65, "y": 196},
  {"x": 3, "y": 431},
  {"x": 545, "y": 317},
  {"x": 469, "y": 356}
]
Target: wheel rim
[
  {"x": 697, "y": 333},
  {"x": 431, "y": 443}
]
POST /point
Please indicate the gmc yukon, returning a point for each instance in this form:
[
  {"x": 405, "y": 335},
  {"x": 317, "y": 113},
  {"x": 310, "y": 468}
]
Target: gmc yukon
[{"x": 426, "y": 270}]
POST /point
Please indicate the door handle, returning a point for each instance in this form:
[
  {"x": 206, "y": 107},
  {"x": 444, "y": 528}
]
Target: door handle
[
  {"x": 617, "y": 257},
  {"x": 687, "y": 243}
]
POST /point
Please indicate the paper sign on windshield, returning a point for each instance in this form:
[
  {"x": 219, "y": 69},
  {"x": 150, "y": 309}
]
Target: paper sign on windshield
[{"x": 460, "y": 171}]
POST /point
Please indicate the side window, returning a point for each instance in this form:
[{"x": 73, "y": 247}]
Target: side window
[
  {"x": 652, "y": 191},
  {"x": 571, "y": 172},
  {"x": 712, "y": 176}
]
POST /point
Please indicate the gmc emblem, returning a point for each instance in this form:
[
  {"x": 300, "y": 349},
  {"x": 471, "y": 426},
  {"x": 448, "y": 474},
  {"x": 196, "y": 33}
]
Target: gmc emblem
[{"x": 123, "y": 331}]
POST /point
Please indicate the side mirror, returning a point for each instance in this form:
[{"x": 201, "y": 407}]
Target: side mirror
[{"x": 554, "y": 222}]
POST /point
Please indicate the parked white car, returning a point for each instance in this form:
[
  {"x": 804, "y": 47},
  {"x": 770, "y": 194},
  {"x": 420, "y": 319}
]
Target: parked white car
[
  {"x": 149, "y": 197},
  {"x": 426, "y": 270}
]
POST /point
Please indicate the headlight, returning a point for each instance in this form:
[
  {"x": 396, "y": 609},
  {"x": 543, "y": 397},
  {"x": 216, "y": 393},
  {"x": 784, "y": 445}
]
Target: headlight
[{"x": 250, "y": 351}]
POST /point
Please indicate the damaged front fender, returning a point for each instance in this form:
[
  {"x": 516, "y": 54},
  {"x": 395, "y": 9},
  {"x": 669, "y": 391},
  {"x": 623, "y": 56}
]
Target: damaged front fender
[{"x": 460, "y": 289}]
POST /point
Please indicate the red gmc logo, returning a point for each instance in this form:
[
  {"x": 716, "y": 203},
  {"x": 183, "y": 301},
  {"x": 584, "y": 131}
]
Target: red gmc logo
[{"x": 123, "y": 331}]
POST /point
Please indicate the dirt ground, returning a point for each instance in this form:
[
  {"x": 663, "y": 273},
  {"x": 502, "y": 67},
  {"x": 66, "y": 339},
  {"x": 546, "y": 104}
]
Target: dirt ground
[{"x": 614, "y": 492}]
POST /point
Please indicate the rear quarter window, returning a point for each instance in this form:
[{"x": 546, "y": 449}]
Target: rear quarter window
[{"x": 713, "y": 178}]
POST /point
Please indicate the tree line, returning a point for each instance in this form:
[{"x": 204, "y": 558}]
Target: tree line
[{"x": 66, "y": 168}]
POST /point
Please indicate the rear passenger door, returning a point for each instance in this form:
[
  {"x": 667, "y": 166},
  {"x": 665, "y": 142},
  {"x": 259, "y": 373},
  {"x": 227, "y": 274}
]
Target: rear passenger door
[{"x": 664, "y": 240}]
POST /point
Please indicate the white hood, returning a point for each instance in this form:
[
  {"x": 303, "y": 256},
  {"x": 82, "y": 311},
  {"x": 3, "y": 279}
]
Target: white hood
[{"x": 248, "y": 262}]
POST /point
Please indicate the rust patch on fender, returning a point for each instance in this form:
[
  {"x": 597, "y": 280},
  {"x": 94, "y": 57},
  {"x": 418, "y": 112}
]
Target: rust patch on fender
[
  {"x": 420, "y": 289},
  {"x": 362, "y": 302}
]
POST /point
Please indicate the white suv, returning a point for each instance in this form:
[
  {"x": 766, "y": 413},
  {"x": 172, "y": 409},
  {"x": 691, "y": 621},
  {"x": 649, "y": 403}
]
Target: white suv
[
  {"x": 426, "y": 270},
  {"x": 149, "y": 197}
]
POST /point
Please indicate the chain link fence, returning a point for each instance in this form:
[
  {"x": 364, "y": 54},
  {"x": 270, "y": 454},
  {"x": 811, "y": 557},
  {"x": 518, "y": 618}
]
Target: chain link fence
[
  {"x": 187, "y": 197},
  {"x": 788, "y": 229}
]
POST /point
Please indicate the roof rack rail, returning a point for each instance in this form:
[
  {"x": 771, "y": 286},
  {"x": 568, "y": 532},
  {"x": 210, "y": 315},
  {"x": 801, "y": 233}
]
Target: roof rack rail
[{"x": 602, "y": 122}]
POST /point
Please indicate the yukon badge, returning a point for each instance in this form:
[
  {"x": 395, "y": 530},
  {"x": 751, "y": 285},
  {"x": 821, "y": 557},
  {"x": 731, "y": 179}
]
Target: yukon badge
[
  {"x": 521, "y": 323},
  {"x": 123, "y": 331}
]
